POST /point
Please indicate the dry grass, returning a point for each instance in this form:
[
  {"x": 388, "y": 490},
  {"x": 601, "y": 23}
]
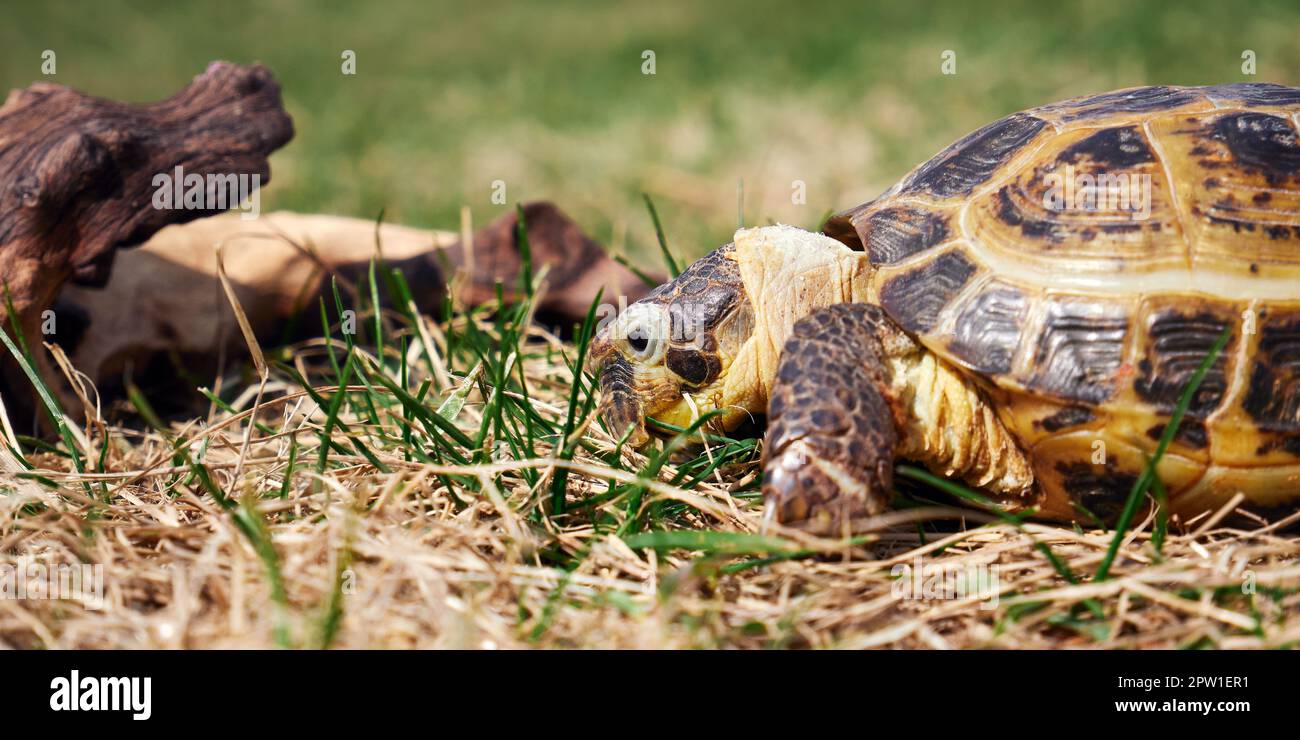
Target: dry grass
[{"x": 473, "y": 554}]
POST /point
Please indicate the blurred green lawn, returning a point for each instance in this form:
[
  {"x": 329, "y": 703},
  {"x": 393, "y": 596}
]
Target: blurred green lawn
[{"x": 550, "y": 98}]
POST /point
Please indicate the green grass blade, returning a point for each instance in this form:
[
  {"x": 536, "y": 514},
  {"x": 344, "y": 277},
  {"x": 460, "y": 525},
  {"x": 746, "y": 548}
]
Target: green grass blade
[
  {"x": 52, "y": 408},
  {"x": 729, "y": 543},
  {"x": 250, "y": 522},
  {"x": 332, "y": 618},
  {"x": 332, "y": 414},
  {"x": 1161, "y": 528},
  {"x": 653, "y": 466},
  {"x": 451, "y": 406},
  {"x": 525, "y": 253},
  {"x": 1143, "y": 482},
  {"x": 288, "y": 467},
  {"x": 740, "y": 203},
  {"x": 659, "y": 234},
  {"x": 644, "y": 278},
  {"x": 565, "y": 450},
  {"x": 424, "y": 414},
  {"x": 379, "y": 313}
]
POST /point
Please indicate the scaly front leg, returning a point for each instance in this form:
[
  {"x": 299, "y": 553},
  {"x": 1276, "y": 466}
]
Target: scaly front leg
[{"x": 854, "y": 392}]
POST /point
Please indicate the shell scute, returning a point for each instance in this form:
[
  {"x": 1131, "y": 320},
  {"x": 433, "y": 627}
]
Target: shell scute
[
  {"x": 1134, "y": 100},
  {"x": 1099, "y": 199},
  {"x": 1273, "y": 398},
  {"x": 1079, "y": 349},
  {"x": 916, "y": 297},
  {"x": 1253, "y": 95},
  {"x": 896, "y": 232},
  {"x": 970, "y": 162},
  {"x": 988, "y": 328},
  {"x": 1238, "y": 174},
  {"x": 1178, "y": 333}
]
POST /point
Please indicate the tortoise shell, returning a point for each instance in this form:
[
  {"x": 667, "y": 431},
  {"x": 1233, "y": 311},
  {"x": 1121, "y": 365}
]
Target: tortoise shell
[{"x": 1080, "y": 259}]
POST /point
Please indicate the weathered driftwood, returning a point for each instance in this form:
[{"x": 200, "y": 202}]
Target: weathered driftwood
[
  {"x": 77, "y": 180},
  {"x": 164, "y": 299}
]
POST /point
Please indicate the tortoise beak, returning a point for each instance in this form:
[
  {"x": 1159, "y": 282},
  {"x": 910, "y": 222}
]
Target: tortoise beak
[{"x": 621, "y": 404}]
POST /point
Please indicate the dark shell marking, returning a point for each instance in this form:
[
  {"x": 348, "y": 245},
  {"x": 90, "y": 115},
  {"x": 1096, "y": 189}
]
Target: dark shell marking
[
  {"x": 1122, "y": 147},
  {"x": 1254, "y": 94},
  {"x": 988, "y": 329},
  {"x": 1260, "y": 142},
  {"x": 1102, "y": 490},
  {"x": 893, "y": 234},
  {"x": 1177, "y": 343},
  {"x": 916, "y": 298},
  {"x": 1288, "y": 442},
  {"x": 1137, "y": 100},
  {"x": 1048, "y": 227},
  {"x": 1070, "y": 416},
  {"x": 962, "y": 167},
  {"x": 1079, "y": 350},
  {"x": 1273, "y": 400},
  {"x": 1191, "y": 432}
]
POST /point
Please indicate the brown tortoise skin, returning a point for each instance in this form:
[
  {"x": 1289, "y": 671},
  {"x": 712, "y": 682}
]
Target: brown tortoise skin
[{"x": 831, "y": 418}]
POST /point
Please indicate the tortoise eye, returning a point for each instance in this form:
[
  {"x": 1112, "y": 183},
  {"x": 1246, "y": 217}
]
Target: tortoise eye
[{"x": 643, "y": 331}]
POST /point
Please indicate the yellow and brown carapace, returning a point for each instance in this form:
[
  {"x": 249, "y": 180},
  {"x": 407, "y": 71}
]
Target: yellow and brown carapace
[{"x": 1037, "y": 296}]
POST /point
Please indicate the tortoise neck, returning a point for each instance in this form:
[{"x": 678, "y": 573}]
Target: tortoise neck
[{"x": 788, "y": 273}]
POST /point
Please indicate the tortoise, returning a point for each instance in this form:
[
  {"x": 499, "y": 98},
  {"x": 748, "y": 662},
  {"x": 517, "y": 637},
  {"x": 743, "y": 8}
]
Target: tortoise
[{"x": 1005, "y": 317}]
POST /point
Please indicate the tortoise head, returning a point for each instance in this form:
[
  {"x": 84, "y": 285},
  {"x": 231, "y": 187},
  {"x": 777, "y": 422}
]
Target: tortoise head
[{"x": 710, "y": 339}]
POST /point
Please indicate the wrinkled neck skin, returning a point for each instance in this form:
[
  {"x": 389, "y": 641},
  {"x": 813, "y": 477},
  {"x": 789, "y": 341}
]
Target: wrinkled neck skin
[{"x": 788, "y": 273}]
